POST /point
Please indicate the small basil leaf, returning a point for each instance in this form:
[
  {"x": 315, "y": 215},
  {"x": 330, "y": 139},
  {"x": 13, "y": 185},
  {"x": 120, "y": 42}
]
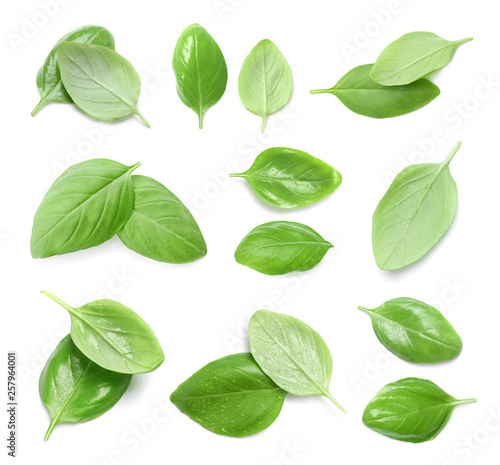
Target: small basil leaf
[
  {"x": 358, "y": 92},
  {"x": 75, "y": 389},
  {"x": 100, "y": 81},
  {"x": 230, "y": 396},
  {"x": 291, "y": 353},
  {"x": 48, "y": 78},
  {"x": 160, "y": 226},
  {"x": 412, "y": 57},
  {"x": 281, "y": 247},
  {"x": 200, "y": 70},
  {"x": 410, "y": 410},
  {"x": 113, "y": 336},
  {"x": 415, "y": 331},
  {"x": 87, "y": 205},
  {"x": 414, "y": 214},
  {"x": 265, "y": 81},
  {"x": 289, "y": 178}
]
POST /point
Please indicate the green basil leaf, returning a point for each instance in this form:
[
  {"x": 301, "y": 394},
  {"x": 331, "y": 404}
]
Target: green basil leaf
[
  {"x": 412, "y": 57},
  {"x": 291, "y": 353},
  {"x": 200, "y": 70},
  {"x": 414, "y": 214},
  {"x": 160, "y": 226},
  {"x": 87, "y": 205},
  {"x": 230, "y": 396},
  {"x": 358, "y": 92},
  {"x": 100, "y": 81},
  {"x": 280, "y": 247},
  {"x": 48, "y": 78},
  {"x": 75, "y": 389},
  {"x": 415, "y": 331},
  {"x": 113, "y": 336},
  {"x": 265, "y": 81},
  {"x": 410, "y": 410},
  {"x": 289, "y": 178}
]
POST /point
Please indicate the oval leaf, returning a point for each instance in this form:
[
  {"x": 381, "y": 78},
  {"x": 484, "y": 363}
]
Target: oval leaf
[
  {"x": 48, "y": 78},
  {"x": 100, "y": 81},
  {"x": 291, "y": 353},
  {"x": 230, "y": 396},
  {"x": 412, "y": 57},
  {"x": 75, "y": 389},
  {"x": 113, "y": 336},
  {"x": 414, "y": 214},
  {"x": 289, "y": 178},
  {"x": 265, "y": 81},
  {"x": 200, "y": 70},
  {"x": 281, "y": 247},
  {"x": 358, "y": 92},
  {"x": 160, "y": 226},
  {"x": 87, "y": 205},
  {"x": 415, "y": 331},
  {"x": 410, "y": 410}
]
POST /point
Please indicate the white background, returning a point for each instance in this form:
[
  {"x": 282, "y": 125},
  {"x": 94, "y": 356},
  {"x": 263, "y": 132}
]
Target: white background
[{"x": 199, "y": 311}]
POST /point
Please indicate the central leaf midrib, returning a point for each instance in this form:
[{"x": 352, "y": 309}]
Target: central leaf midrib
[
  {"x": 232, "y": 393},
  {"x": 279, "y": 244}
]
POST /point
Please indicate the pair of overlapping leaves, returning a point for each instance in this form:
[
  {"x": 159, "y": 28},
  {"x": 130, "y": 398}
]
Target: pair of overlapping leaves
[
  {"x": 96, "y": 199},
  {"x": 242, "y": 394},
  {"x": 92, "y": 367}
]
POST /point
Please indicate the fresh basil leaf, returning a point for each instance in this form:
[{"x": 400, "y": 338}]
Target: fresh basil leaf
[
  {"x": 415, "y": 331},
  {"x": 290, "y": 178},
  {"x": 48, "y": 78},
  {"x": 412, "y": 57},
  {"x": 75, "y": 389},
  {"x": 291, "y": 353},
  {"x": 200, "y": 70},
  {"x": 280, "y": 247},
  {"x": 358, "y": 92},
  {"x": 113, "y": 336},
  {"x": 160, "y": 226},
  {"x": 265, "y": 81},
  {"x": 414, "y": 214},
  {"x": 230, "y": 396},
  {"x": 87, "y": 205},
  {"x": 410, "y": 410},
  {"x": 100, "y": 81}
]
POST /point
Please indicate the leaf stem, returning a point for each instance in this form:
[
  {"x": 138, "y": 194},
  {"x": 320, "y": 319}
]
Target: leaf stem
[
  {"x": 452, "y": 154},
  {"x": 41, "y": 103},
  {"x": 236, "y": 175},
  {"x": 263, "y": 125},
  {"x": 320, "y": 91},
  {"x": 200, "y": 120},
  {"x": 465, "y": 401},
  {"x": 53, "y": 424},
  {"x": 144, "y": 120},
  {"x": 462, "y": 41},
  {"x": 59, "y": 301},
  {"x": 329, "y": 396}
]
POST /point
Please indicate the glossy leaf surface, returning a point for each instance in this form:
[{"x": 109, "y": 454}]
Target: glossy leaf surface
[
  {"x": 231, "y": 396},
  {"x": 411, "y": 410},
  {"x": 414, "y": 214},
  {"x": 75, "y": 389},
  {"x": 281, "y": 247},
  {"x": 290, "y": 178},
  {"x": 358, "y": 92},
  {"x": 415, "y": 331},
  {"x": 87, "y": 205},
  {"x": 291, "y": 353},
  {"x": 113, "y": 336}
]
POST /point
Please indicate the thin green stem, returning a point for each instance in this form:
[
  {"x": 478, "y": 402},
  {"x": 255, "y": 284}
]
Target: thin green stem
[
  {"x": 363, "y": 309},
  {"x": 263, "y": 125},
  {"x": 462, "y": 41},
  {"x": 320, "y": 91},
  {"x": 236, "y": 175},
  {"x": 465, "y": 401},
  {"x": 53, "y": 424},
  {"x": 200, "y": 120},
  {"x": 144, "y": 120},
  {"x": 452, "y": 154},
  {"x": 41, "y": 103},
  {"x": 59, "y": 301},
  {"x": 329, "y": 396}
]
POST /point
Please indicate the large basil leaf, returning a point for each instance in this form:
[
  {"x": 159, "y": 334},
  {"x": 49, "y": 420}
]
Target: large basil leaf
[
  {"x": 87, "y": 205},
  {"x": 290, "y": 178},
  {"x": 113, "y": 336},
  {"x": 48, "y": 78},
  {"x": 160, "y": 226},
  {"x": 358, "y": 92},
  {"x": 414, "y": 214},
  {"x": 281, "y": 247},
  {"x": 410, "y": 410},
  {"x": 230, "y": 396},
  {"x": 415, "y": 331},
  {"x": 75, "y": 389},
  {"x": 291, "y": 353},
  {"x": 100, "y": 81},
  {"x": 200, "y": 70},
  {"x": 412, "y": 57},
  {"x": 265, "y": 80}
]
